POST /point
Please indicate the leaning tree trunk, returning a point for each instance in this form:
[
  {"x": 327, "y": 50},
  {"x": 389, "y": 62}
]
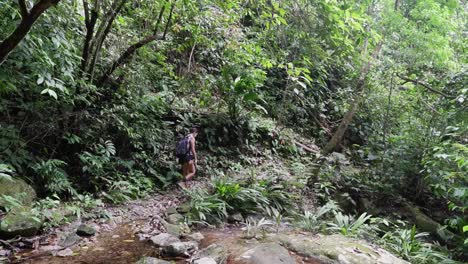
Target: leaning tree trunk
[
  {"x": 131, "y": 50},
  {"x": 356, "y": 101},
  {"x": 27, "y": 21},
  {"x": 348, "y": 118}
]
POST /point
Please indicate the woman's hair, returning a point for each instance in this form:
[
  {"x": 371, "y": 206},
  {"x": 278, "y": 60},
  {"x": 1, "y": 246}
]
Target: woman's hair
[{"x": 194, "y": 130}]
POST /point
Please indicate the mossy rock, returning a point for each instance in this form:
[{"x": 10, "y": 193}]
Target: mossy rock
[
  {"x": 183, "y": 208},
  {"x": 338, "y": 249},
  {"x": 18, "y": 189},
  {"x": 176, "y": 230},
  {"x": 171, "y": 210},
  {"x": 175, "y": 219},
  {"x": 426, "y": 224},
  {"x": 20, "y": 222},
  {"x": 85, "y": 230}
]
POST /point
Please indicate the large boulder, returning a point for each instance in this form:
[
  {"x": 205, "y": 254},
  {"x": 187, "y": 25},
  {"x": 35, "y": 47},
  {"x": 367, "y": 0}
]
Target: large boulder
[
  {"x": 266, "y": 253},
  {"x": 18, "y": 189},
  {"x": 338, "y": 249},
  {"x": 20, "y": 222}
]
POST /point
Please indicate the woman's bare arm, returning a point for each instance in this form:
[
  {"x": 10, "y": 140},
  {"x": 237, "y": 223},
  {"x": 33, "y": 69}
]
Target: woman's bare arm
[{"x": 192, "y": 145}]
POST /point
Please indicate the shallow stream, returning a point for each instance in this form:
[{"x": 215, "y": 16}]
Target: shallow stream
[{"x": 121, "y": 245}]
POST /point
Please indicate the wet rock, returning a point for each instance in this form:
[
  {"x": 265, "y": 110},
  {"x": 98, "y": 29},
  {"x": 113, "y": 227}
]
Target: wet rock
[
  {"x": 175, "y": 219},
  {"x": 204, "y": 260},
  {"x": 164, "y": 239},
  {"x": 180, "y": 249},
  {"x": 85, "y": 230},
  {"x": 19, "y": 222},
  {"x": 267, "y": 253},
  {"x": 196, "y": 236},
  {"x": 69, "y": 240},
  {"x": 18, "y": 189},
  {"x": 214, "y": 251},
  {"x": 338, "y": 249},
  {"x": 235, "y": 218},
  {"x": 150, "y": 260}
]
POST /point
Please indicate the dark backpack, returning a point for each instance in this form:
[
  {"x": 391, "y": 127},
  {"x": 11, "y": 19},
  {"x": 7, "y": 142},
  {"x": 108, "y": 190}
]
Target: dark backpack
[{"x": 183, "y": 148}]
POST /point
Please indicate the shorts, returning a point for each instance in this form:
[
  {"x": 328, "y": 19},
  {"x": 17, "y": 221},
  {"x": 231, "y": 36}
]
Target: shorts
[{"x": 186, "y": 159}]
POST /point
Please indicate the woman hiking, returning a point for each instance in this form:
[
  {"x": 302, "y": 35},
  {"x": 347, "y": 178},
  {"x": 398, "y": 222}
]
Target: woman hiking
[{"x": 187, "y": 156}]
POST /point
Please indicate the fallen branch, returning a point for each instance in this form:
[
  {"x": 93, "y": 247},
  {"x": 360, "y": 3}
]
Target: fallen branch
[{"x": 305, "y": 147}]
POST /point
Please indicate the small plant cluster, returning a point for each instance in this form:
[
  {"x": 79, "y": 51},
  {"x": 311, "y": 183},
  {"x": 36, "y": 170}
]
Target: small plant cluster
[
  {"x": 229, "y": 197},
  {"x": 52, "y": 212}
]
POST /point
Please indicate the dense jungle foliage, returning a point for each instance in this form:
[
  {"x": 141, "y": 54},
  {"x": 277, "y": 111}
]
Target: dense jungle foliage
[{"x": 364, "y": 100}]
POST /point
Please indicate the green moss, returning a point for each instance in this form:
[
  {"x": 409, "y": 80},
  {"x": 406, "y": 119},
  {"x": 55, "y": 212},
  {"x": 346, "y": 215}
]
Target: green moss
[
  {"x": 18, "y": 189},
  {"x": 20, "y": 222}
]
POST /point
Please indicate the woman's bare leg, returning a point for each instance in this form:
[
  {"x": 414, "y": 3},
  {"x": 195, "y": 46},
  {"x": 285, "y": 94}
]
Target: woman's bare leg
[{"x": 191, "y": 170}]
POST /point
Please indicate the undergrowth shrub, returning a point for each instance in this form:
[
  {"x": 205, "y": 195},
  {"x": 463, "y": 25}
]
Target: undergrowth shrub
[
  {"x": 54, "y": 176},
  {"x": 228, "y": 197},
  {"x": 410, "y": 245}
]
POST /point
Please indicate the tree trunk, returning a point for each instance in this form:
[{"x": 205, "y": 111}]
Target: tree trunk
[
  {"x": 128, "y": 53},
  {"x": 102, "y": 33},
  {"x": 91, "y": 17},
  {"x": 357, "y": 99},
  {"x": 27, "y": 21}
]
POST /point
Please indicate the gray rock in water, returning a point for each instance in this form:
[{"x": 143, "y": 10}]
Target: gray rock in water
[
  {"x": 214, "y": 251},
  {"x": 175, "y": 219},
  {"x": 150, "y": 260},
  {"x": 19, "y": 222},
  {"x": 17, "y": 189},
  {"x": 164, "y": 239},
  {"x": 85, "y": 230},
  {"x": 235, "y": 218},
  {"x": 338, "y": 249},
  {"x": 204, "y": 260},
  {"x": 180, "y": 249},
  {"x": 267, "y": 253}
]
